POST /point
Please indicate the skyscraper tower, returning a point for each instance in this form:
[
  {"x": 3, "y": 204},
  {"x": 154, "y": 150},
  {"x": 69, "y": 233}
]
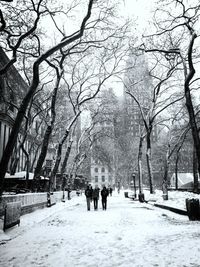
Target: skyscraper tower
[{"x": 138, "y": 84}]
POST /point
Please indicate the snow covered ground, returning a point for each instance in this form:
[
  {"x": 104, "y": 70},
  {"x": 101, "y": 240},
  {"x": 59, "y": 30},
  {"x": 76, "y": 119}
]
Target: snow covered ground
[{"x": 128, "y": 233}]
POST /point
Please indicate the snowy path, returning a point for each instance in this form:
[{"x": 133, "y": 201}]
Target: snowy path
[{"x": 126, "y": 234}]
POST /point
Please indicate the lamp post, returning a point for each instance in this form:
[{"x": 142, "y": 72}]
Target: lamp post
[
  {"x": 68, "y": 190},
  {"x": 118, "y": 186},
  {"x": 63, "y": 187},
  {"x": 141, "y": 194}
]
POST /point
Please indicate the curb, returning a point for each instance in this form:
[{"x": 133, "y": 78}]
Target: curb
[
  {"x": 179, "y": 211},
  {"x": 175, "y": 210}
]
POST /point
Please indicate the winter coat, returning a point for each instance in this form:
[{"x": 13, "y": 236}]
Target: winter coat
[
  {"x": 104, "y": 193},
  {"x": 88, "y": 192},
  {"x": 95, "y": 193}
]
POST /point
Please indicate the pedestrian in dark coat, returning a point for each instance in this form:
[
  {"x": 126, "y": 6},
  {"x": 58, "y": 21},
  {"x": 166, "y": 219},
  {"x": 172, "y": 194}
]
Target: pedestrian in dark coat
[
  {"x": 104, "y": 195},
  {"x": 88, "y": 194},
  {"x": 95, "y": 196},
  {"x": 91, "y": 192},
  {"x": 110, "y": 191}
]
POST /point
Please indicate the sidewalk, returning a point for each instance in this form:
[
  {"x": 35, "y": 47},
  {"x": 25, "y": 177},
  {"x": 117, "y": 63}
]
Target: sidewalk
[
  {"x": 175, "y": 203},
  {"x": 37, "y": 216},
  {"x": 129, "y": 233}
]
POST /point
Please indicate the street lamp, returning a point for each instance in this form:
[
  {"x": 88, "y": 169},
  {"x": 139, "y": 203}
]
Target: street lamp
[
  {"x": 141, "y": 194},
  {"x": 118, "y": 186},
  {"x": 63, "y": 186}
]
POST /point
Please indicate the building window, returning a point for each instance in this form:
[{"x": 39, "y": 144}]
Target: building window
[
  {"x": 96, "y": 169},
  {"x": 103, "y": 169},
  {"x": 96, "y": 179},
  {"x": 103, "y": 178}
]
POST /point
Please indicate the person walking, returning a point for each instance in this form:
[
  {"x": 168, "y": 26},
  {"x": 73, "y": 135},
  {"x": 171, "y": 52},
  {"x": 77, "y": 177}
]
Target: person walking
[
  {"x": 110, "y": 191},
  {"x": 95, "y": 196},
  {"x": 91, "y": 192},
  {"x": 104, "y": 195},
  {"x": 88, "y": 194}
]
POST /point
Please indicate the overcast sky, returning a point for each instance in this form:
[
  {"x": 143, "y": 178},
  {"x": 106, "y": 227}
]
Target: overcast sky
[{"x": 140, "y": 9}]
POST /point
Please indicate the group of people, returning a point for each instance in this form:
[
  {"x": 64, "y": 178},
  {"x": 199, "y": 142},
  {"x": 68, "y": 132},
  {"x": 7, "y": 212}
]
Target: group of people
[{"x": 93, "y": 195}]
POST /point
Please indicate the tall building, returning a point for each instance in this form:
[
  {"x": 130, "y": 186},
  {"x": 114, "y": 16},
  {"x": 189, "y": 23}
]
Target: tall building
[
  {"x": 138, "y": 83},
  {"x": 137, "y": 96}
]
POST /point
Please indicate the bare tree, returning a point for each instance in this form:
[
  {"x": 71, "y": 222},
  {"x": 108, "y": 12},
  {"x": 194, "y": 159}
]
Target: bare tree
[
  {"x": 175, "y": 142},
  {"x": 49, "y": 128},
  {"x": 30, "y": 135},
  {"x": 34, "y": 84},
  {"x": 88, "y": 88},
  {"x": 176, "y": 28},
  {"x": 150, "y": 101},
  {"x": 69, "y": 45},
  {"x": 140, "y": 172}
]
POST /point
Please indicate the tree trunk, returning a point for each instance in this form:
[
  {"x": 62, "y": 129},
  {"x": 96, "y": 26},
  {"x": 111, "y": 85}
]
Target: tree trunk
[
  {"x": 59, "y": 152},
  {"x": 194, "y": 128},
  {"x": 48, "y": 131},
  {"x": 64, "y": 164},
  {"x": 63, "y": 168},
  {"x": 14, "y": 163},
  {"x": 34, "y": 159},
  {"x": 149, "y": 165},
  {"x": 195, "y": 171},
  {"x": 176, "y": 170},
  {"x": 55, "y": 167},
  {"x": 140, "y": 164},
  {"x": 176, "y": 163},
  {"x": 42, "y": 155},
  {"x": 16, "y": 128},
  {"x": 189, "y": 104},
  {"x": 27, "y": 163},
  {"x": 27, "y": 171},
  {"x": 79, "y": 163},
  {"x": 57, "y": 162},
  {"x": 165, "y": 177}
]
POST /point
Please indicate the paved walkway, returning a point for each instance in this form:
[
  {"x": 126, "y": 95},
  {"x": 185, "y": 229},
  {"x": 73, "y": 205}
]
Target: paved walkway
[{"x": 127, "y": 234}]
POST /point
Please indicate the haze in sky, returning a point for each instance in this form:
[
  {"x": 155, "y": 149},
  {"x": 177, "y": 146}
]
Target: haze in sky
[{"x": 139, "y": 10}]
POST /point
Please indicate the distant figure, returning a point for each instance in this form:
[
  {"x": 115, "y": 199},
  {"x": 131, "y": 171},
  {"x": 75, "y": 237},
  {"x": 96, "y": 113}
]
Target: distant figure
[
  {"x": 88, "y": 194},
  {"x": 95, "y": 196},
  {"x": 104, "y": 194},
  {"x": 91, "y": 193},
  {"x": 78, "y": 192},
  {"x": 110, "y": 191},
  {"x": 68, "y": 193}
]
